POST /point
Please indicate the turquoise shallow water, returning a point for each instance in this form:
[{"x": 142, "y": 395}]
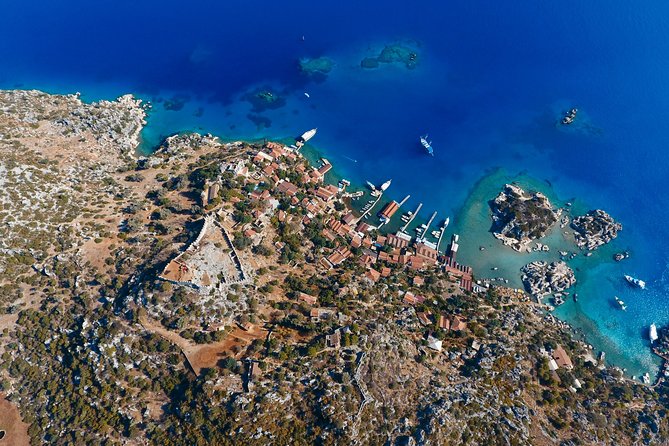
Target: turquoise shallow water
[
  {"x": 622, "y": 334},
  {"x": 490, "y": 83}
]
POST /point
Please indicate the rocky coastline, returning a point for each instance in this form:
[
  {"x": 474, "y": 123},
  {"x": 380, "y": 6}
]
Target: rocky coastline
[
  {"x": 543, "y": 278},
  {"x": 594, "y": 229},
  {"x": 520, "y": 217}
]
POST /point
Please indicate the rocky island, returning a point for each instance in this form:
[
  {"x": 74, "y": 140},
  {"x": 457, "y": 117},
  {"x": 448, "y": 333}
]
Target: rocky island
[
  {"x": 520, "y": 217},
  {"x": 594, "y": 229},
  {"x": 543, "y": 278}
]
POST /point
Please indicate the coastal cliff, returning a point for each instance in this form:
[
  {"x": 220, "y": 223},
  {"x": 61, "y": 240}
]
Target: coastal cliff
[
  {"x": 594, "y": 229},
  {"x": 542, "y": 278},
  {"x": 519, "y": 217}
]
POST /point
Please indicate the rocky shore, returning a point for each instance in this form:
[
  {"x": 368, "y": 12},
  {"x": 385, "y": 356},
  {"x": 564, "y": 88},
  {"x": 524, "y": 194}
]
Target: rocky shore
[
  {"x": 543, "y": 278},
  {"x": 594, "y": 229},
  {"x": 520, "y": 217}
]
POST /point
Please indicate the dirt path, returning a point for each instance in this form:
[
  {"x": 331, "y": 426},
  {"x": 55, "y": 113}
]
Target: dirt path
[
  {"x": 200, "y": 356},
  {"x": 16, "y": 431}
]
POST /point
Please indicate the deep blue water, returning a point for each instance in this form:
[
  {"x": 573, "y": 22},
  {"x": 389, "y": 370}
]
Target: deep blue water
[{"x": 490, "y": 83}]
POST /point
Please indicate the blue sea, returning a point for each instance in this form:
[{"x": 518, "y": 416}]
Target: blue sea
[{"x": 491, "y": 80}]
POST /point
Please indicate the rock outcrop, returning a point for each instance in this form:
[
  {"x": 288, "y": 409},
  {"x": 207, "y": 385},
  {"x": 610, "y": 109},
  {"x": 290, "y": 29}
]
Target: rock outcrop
[
  {"x": 594, "y": 229},
  {"x": 542, "y": 278},
  {"x": 520, "y": 217}
]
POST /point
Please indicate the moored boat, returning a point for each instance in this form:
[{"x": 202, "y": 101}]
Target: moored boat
[
  {"x": 635, "y": 282},
  {"x": 570, "y": 116},
  {"x": 652, "y": 333},
  {"x": 620, "y": 302}
]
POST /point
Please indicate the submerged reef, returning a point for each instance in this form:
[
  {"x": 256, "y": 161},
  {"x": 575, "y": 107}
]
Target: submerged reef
[
  {"x": 317, "y": 68},
  {"x": 396, "y": 53},
  {"x": 262, "y": 99}
]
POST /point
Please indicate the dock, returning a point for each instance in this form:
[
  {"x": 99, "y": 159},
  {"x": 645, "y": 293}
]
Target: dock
[
  {"x": 378, "y": 198},
  {"x": 441, "y": 235},
  {"x": 427, "y": 227},
  {"x": 404, "y": 228}
]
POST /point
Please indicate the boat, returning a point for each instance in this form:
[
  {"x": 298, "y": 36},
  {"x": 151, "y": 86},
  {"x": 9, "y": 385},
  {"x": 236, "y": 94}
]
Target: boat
[
  {"x": 306, "y": 136},
  {"x": 646, "y": 378},
  {"x": 570, "y": 116},
  {"x": 428, "y": 145},
  {"x": 371, "y": 186},
  {"x": 385, "y": 185},
  {"x": 307, "y": 94},
  {"x": 635, "y": 282},
  {"x": 652, "y": 333},
  {"x": 621, "y": 303},
  {"x": 620, "y": 256},
  {"x": 446, "y": 222}
]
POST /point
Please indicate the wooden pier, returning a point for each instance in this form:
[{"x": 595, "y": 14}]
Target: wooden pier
[
  {"x": 441, "y": 235},
  {"x": 427, "y": 227},
  {"x": 404, "y": 228},
  {"x": 378, "y": 198}
]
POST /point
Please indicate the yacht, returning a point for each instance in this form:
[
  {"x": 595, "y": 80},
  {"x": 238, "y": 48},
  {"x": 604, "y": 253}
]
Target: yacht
[
  {"x": 306, "y": 136},
  {"x": 652, "y": 333},
  {"x": 428, "y": 145},
  {"x": 635, "y": 282},
  {"x": 446, "y": 222},
  {"x": 385, "y": 185}
]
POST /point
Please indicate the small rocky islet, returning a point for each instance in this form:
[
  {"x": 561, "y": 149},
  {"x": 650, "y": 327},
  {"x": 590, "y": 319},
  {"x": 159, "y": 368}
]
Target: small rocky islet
[
  {"x": 520, "y": 217},
  {"x": 594, "y": 229},
  {"x": 543, "y": 278}
]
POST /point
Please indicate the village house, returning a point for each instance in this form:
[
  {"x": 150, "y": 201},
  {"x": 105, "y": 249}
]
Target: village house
[
  {"x": 338, "y": 256},
  {"x": 307, "y": 298},
  {"x": 424, "y": 318},
  {"x": 562, "y": 358},
  {"x": 333, "y": 340},
  {"x": 373, "y": 275},
  {"x": 444, "y": 323},
  {"x": 288, "y": 188},
  {"x": 458, "y": 324},
  {"x": 412, "y": 299}
]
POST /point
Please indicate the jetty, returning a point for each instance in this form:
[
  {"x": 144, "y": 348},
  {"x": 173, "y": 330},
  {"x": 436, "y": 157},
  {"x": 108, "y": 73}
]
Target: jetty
[
  {"x": 441, "y": 235},
  {"x": 364, "y": 214},
  {"x": 427, "y": 227},
  {"x": 404, "y": 228}
]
